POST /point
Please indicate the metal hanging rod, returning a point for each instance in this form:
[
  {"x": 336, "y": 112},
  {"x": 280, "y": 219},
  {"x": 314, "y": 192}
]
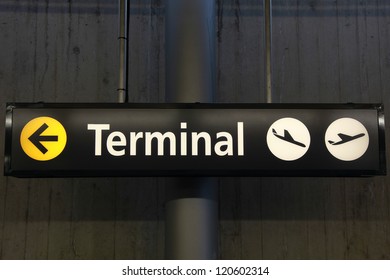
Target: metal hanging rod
[
  {"x": 123, "y": 50},
  {"x": 267, "y": 7}
]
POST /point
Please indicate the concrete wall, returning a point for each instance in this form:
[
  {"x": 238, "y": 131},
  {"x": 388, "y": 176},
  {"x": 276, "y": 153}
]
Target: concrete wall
[{"x": 67, "y": 51}]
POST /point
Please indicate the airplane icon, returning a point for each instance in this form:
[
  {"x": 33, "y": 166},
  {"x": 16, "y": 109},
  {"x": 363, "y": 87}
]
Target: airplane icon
[
  {"x": 345, "y": 138},
  {"x": 287, "y": 137}
]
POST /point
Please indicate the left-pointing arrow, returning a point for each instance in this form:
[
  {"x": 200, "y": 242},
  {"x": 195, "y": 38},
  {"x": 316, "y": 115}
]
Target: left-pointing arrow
[{"x": 37, "y": 138}]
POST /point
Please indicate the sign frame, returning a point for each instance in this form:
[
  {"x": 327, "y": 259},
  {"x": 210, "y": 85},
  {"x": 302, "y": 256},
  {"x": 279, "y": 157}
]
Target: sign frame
[{"x": 380, "y": 170}]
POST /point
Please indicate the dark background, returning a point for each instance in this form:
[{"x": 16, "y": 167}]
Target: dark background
[{"x": 67, "y": 51}]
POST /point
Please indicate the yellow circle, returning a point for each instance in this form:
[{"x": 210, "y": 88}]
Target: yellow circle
[{"x": 43, "y": 138}]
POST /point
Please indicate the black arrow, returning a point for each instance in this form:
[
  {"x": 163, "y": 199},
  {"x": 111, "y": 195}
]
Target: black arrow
[{"x": 36, "y": 138}]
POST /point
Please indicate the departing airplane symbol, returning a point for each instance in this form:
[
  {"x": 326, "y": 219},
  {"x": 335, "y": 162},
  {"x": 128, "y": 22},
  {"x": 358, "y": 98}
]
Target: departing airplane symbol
[
  {"x": 287, "y": 137},
  {"x": 345, "y": 138}
]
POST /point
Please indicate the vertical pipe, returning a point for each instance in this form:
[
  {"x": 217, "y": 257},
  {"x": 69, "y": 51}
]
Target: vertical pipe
[
  {"x": 192, "y": 208},
  {"x": 267, "y": 7},
  {"x": 123, "y": 60}
]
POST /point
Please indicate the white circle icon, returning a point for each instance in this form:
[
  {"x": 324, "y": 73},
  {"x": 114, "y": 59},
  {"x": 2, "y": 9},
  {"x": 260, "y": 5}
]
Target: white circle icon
[
  {"x": 346, "y": 139},
  {"x": 288, "y": 139}
]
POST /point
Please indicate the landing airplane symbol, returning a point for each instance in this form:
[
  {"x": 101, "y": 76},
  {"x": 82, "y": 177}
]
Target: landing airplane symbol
[
  {"x": 287, "y": 137},
  {"x": 345, "y": 138}
]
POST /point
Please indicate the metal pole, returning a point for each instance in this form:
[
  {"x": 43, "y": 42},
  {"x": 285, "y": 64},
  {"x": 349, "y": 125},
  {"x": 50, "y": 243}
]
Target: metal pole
[
  {"x": 123, "y": 58},
  {"x": 267, "y": 7},
  {"x": 192, "y": 208}
]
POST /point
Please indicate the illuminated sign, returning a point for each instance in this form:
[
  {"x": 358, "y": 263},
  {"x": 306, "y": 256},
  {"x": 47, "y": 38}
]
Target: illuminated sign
[{"x": 60, "y": 140}]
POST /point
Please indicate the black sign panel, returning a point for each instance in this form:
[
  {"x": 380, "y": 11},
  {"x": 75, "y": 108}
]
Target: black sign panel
[{"x": 58, "y": 140}]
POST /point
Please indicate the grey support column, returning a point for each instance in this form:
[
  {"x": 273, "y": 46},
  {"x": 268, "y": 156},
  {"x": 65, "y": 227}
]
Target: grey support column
[{"x": 192, "y": 208}]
